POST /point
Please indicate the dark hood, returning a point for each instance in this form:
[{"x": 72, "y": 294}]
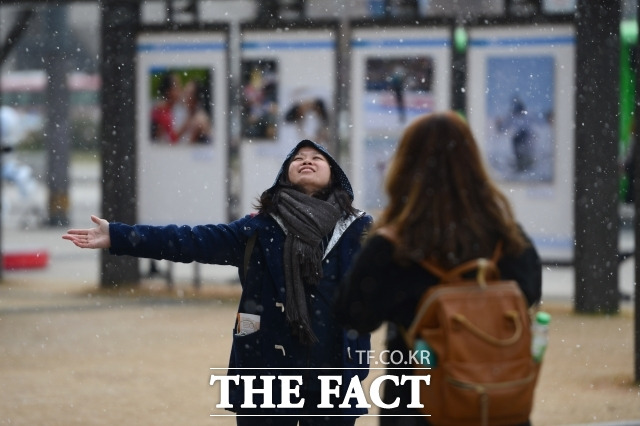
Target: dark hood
[{"x": 338, "y": 176}]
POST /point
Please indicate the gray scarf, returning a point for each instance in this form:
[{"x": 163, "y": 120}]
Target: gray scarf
[{"x": 308, "y": 220}]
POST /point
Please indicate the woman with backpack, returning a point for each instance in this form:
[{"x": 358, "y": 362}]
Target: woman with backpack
[
  {"x": 444, "y": 208},
  {"x": 291, "y": 255}
]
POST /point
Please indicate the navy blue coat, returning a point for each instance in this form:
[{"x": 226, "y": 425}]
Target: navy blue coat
[{"x": 273, "y": 345}]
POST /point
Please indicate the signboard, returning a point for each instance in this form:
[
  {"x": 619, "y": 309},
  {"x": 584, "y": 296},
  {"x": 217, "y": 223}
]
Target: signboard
[
  {"x": 182, "y": 115},
  {"x": 521, "y": 108},
  {"x": 288, "y": 94},
  {"x": 397, "y": 75}
]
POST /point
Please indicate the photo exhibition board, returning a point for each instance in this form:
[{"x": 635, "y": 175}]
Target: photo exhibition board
[
  {"x": 520, "y": 103},
  {"x": 182, "y": 115},
  {"x": 396, "y": 75},
  {"x": 287, "y": 81}
]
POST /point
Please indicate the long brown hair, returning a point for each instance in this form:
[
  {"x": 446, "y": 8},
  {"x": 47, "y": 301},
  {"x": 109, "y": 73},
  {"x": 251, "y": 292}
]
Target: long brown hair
[{"x": 443, "y": 205}]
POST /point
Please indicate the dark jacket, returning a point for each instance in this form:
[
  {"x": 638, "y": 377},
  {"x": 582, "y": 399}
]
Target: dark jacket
[
  {"x": 378, "y": 289},
  {"x": 273, "y": 346}
]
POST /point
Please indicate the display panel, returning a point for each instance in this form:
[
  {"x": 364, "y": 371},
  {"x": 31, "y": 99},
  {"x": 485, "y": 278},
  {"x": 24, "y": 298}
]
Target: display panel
[
  {"x": 182, "y": 133},
  {"x": 521, "y": 85},
  {"x": 396, "y": 76},
  {"x": 287, "y": 95}
]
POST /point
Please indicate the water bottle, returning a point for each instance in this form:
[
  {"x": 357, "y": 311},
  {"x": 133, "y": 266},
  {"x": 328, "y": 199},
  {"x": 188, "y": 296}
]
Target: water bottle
[{"x": 540, "y": 335}]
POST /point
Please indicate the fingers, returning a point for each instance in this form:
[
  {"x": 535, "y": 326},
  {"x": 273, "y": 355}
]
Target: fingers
[
  {"x": 75, "y": 240},
  {"x": 81, "y": 241},
  {"x": 94, "y": 219},
  {"x": 77, "y": 232},
  {"x": 75, "y": 237}
]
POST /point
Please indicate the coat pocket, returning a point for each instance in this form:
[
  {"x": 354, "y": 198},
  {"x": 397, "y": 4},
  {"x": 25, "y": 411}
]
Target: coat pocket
[{"x": 248, "y": 349}]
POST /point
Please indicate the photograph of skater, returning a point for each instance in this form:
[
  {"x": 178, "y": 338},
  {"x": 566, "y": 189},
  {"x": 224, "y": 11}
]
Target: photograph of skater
[
  {"x": 520, "y": 127},
  {"x": 523, "y": 138},
  {"x": 397, "y": 90},
  {"x": 291, "y": 257}
]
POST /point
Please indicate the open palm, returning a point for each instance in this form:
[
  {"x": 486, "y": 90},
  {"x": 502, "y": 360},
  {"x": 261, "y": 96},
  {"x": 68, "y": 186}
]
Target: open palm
[{"x": 95, "y": 238}]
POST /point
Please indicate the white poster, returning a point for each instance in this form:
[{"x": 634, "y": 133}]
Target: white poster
[
  {"x": 182, "y": 120},
  {"x": 521, "y": 108},
  {"x": 288, "y": 94},
  {"x": 397, "y": 75}
]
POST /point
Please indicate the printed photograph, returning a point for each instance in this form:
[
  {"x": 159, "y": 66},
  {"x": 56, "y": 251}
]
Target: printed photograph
[
  {"x": 259, "y": 101},
  {"x": 181, "y": 106},
  {"x": 520, "y": 124},
  {"x": 307, "y": 114},
  {"x": 397, "y": 90}
]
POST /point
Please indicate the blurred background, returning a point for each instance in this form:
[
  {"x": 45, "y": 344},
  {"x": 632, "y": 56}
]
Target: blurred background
[{"x": 80, "y": 79}]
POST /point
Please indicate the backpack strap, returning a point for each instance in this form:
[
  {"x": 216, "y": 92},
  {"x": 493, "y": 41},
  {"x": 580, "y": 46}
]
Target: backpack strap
[
  {"x": 248, "y": 249},
  {"x": 485, "y": 268}
]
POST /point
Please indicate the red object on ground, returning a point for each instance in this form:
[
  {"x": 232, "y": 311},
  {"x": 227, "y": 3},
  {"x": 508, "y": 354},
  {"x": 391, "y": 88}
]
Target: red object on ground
[{"x": 25, "y": 259}]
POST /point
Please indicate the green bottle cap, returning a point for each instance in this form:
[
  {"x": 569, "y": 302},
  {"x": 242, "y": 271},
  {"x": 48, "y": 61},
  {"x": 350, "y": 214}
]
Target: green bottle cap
[{"x": 543, "y": 317}]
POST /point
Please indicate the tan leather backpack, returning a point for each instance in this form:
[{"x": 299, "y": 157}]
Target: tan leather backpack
[{"x": 479, "y": 333}]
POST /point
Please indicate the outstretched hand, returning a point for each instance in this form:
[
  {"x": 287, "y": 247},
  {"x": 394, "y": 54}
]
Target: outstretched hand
[{"x": 95, "y": 238}]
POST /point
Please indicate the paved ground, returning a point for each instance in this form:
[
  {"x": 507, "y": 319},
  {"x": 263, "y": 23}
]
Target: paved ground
[{"x": 73, "y": 355}]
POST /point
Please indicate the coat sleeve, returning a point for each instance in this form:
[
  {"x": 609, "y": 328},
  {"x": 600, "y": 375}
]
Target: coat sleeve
[
  {"x": 214, "y": 244},
  {"x": 361, "y": 304}
]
